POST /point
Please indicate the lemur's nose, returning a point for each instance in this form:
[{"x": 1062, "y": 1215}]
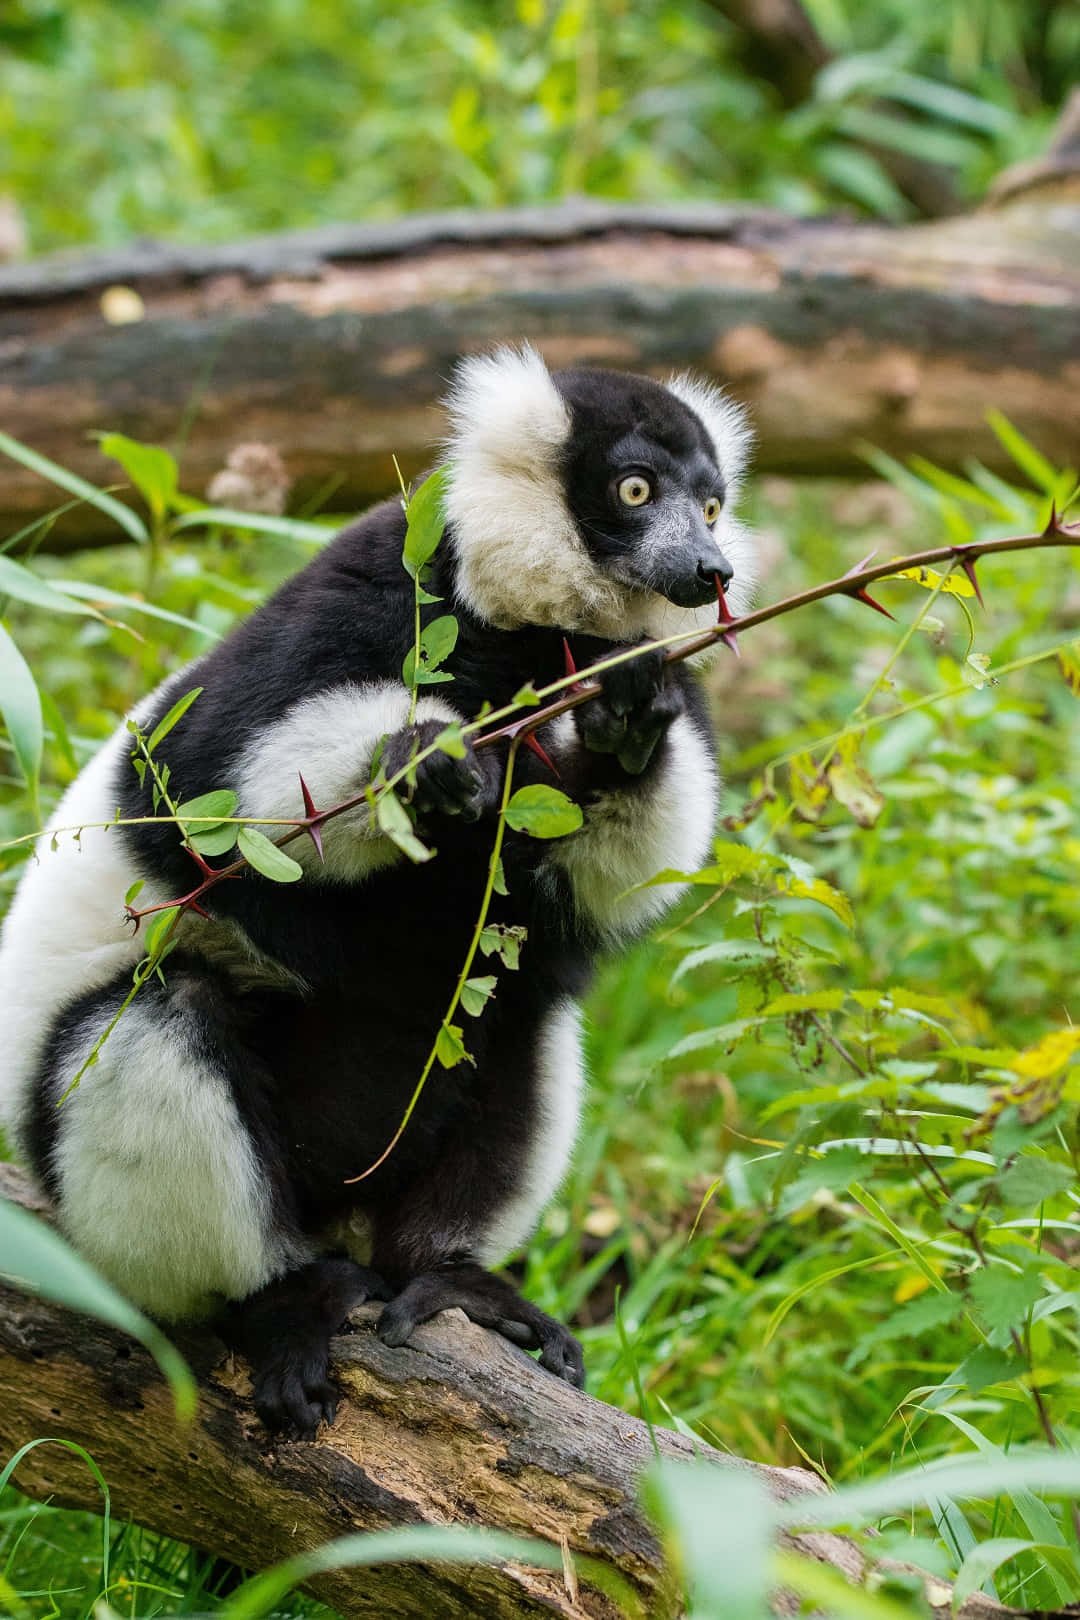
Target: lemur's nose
[{"x": 709, "y": 567}]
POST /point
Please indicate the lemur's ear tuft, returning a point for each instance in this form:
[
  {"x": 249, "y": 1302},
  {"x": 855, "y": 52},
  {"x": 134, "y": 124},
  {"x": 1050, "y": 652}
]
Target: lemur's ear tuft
[
  {"x": 504, "y": 408},
  {"x": 724, "y": 420}
]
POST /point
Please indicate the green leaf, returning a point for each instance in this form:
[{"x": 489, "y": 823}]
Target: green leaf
[
  {"x": 206, "y": 836},
  {"x": 37, "y": 1258},
  {"x": 437, "y": 641},
  {"x": 282, "y": 528},
  {"x": 921, "y": 1315},
  {"x": 158, "y": 927},
  {"x": 986, "y": 1366},
  {"x": 97, "y": 594},
  {"x": 1032, "y": 463},
  {"x": 450, "y": 1046},
  {"x": 128, "y": 520},
  {"x": 499, "y": 880},
  {"x": 526, "y": 696},
  {"x": 704, "y": 1040},
  {"x": 504, "y": 940},
  {"x": 451, "y": 741},
  {"x": 1003, "y": 1298},
  {"x": 809, "y": 1001},
  {"x": 165, "y": 725},
  {"x": 722, "y": 1522},
  {"x": 734, "y": 952},
  {"x": 151, "y": 469},
  {"x": 543, "y": 812},
  {"x": 1033, "y": 1179},
  {"x": 393, "y": 818},
  {"x": 134, "y": 892},
  {"x": 20, "y": 706},
  {"x": 476, "y": 993},
  {"x": 54, "y": 720},
  {"x": 267, "y": 858},
  {"x": 25, "y": 586},
  {"x": 426, "y": 521},
  {"x": 983, "y": 1561},
  {"x": 423, "y": 1544}
]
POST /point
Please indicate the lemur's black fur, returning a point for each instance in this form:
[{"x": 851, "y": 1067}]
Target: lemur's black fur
[{"x": 321, "y": 1059}]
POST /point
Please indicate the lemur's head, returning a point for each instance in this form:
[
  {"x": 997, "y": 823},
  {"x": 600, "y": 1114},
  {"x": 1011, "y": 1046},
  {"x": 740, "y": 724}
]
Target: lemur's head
[{"x": 594, "y": 500}]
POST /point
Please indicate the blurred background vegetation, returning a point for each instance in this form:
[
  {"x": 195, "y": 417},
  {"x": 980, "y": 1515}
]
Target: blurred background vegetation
[
  {"x": 708, "y": 1245},
  {"x": 215, "y": 118}
]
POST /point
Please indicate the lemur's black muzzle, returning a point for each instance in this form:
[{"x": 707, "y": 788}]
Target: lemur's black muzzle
[{"x": 692, "y": 582}]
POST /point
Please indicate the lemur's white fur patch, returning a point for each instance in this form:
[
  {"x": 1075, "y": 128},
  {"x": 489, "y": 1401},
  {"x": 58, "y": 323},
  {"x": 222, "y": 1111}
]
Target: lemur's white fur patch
[
  {"x": 160, "y": 1185},
  {"x": 560, "y": 1082},
  {"x": 626, "y": 838},
  {"x": 329, "y": 739},
  {"x": 521, "y": 559},
  {"x": 65, "y": 934}
]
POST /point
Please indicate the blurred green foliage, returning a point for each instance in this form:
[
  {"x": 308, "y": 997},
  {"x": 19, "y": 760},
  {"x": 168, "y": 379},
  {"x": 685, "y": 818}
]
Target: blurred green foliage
[{"x": 214, "y": 118}]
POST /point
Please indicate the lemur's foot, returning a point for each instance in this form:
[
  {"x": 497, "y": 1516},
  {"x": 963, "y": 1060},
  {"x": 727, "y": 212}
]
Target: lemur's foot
[
  {"x": 635, "y": 707},
  {"x": 493, "y": 1303},
  {"x": 445, "y": 785},
  {"x": 284, "y": 1330}
]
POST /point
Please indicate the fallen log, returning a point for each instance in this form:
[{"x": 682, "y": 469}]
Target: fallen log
[
  {"x": 457, "y": 1427},
  {"x": 334, "y": 345}
]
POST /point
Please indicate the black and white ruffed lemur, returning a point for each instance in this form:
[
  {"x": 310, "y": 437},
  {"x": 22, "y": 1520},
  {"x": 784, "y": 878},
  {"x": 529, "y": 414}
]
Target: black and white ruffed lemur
[{"x": 202, "y": 1162}]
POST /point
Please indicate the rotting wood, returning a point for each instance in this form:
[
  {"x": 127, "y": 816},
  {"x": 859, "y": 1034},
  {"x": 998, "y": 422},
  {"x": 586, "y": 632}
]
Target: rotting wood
[
  {"x": 458, "y": 1427},
  {"x": 335, "y": 345}
]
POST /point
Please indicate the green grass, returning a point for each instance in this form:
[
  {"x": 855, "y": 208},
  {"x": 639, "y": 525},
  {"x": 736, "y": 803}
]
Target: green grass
[{"x": 758, "y": 1272}]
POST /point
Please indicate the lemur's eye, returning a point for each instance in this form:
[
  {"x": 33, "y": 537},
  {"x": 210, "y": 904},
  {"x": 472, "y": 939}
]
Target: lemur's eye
[
  {"x": 712, "y": 509},
  {"x": 635, "y": 490}
]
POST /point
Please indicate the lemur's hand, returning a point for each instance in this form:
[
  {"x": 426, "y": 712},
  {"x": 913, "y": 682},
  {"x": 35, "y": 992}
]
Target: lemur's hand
[
  {"x": 634, "y": 709},
  {"x": 444, "y": 785}
]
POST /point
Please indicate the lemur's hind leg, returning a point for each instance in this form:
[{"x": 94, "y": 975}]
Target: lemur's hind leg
[
  {"x": 284, "y": 1330},
  {"x": 491, "y": 1301}
]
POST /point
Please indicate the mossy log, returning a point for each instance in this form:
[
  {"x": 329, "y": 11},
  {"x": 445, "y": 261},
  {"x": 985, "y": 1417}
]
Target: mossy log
[
  {"x": 335, "y": 345},
  {"x": 457, "y": 1427}
]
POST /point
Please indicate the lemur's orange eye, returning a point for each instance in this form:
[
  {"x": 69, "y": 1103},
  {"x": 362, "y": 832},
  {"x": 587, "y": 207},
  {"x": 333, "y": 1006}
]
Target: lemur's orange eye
[
  {"x": 635, "y": 490},
  {"x": 712, "y": 509}
]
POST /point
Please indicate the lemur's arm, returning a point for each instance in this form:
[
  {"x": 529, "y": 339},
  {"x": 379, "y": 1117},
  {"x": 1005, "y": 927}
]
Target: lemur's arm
[{"x": 640, "y": 760}]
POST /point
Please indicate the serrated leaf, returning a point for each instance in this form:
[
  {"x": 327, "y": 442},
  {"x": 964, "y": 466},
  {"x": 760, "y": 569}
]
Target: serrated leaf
[
  {"x": 985, "y": 1366},
  {"x": 703, "y": 1040},
  {"x": 1003, "y": 1298},
  {"x": 393, "y": 819},
  {"x": 543, "y": 812},
  {"x": 733, "y": 952},
  {"x": 1033, "y": 1179},
  {"x": 151, "y": 469},
  {"x": 1048, "y": 1056},
  {"x": 931, "y": 1310},
  {"x": 267, "y": 858},
  {"x": 805, "y": 1001},
  {"x": 450, "y": 1046},
  {"x": 20, "y": 706},
  {"x": 165, "y": 725},
  {"x": 823, "y": 893},
  {"x": 426, "y": 521},
  {"x": 476, "y": 993}
]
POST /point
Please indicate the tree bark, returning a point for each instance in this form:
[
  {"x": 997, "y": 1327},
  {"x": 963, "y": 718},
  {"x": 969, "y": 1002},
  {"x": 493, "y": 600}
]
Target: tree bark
[
  {"x": 335, "y": 345},
  {"x": 457, "y": 1427}
]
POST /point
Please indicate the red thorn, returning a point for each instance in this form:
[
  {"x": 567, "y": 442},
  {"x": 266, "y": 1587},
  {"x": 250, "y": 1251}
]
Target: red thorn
[
  {"x": 968, "y": 565},
  {"x": 541, "y": 753},
  {"x": 723, "y": 616},
  {"x": 1052, "y": 524},
  {"x": 568, "y": 658},
  {"x": 864, "y": 596},
  {"x": 314, "y": 832},
  {"x": 193, "y": 905},
  {"x": 207, "y": 871}
]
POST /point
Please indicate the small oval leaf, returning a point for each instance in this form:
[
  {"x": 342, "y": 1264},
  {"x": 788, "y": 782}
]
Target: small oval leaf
[
  {"x": 267, "y": 858},
  {"x": 543, "y": 812}
]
